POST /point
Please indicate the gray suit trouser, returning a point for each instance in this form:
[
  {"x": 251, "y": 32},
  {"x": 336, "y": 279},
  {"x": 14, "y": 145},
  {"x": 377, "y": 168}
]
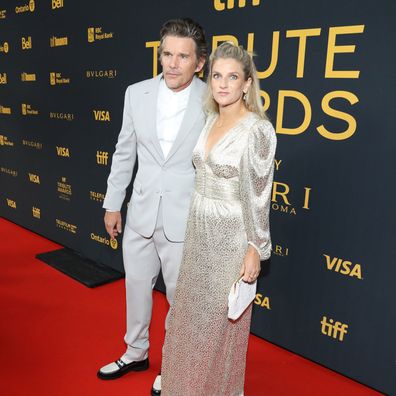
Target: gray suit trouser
[{"x": 143, "y": 259}]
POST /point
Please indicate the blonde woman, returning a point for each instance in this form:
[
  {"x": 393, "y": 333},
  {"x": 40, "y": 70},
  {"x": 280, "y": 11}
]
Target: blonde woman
[{"x": 227, "y": 233}]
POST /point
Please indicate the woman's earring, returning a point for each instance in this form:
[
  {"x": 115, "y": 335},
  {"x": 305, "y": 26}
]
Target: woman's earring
[{"x": 244, "y": 96}]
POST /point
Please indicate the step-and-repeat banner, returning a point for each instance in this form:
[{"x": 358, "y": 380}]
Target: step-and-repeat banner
[{"x": 327, "y": 73}]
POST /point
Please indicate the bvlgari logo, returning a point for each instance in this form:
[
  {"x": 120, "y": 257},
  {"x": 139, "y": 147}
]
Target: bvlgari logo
[
  {"x": 101, "y": 115},
  {"x": 262, "y": 301},
  {"x": 62, "y": 151},
  {"x": 105, "y": 241},
  {"x": 64, "y": 225},
  {"x": 4, "y": 141},
  {"x": 5, "y": 110},
  {"x": 28, "y": 110},
  {"x": 61, "y": 116},
  {"x": 58, "y": 79},
  {"x": 280, "y": 199},
  {"x": 3, "y": 78},
  {"x": 8, "y": 171},
  {"x": 280, "y": 250},
  {"x": 32, "y": 144},
  {"x": 58, "y": 41},
  {"x": 96, "y": 196},
  {"x": 56, "y": 4},
  {"x": 331, "y": 328},
  {"x": 97, "y": 34},
  {"x": 4, "y": 47},
  {"x": 11, "y": 203},
  {"x": 33, "y": 178},
  {"x": 220, "y": 5},
  {"x": 344, "y": 267},
  {"x": 109, "y": 73},
  {"x": 3, "y": 14},
  {"x": 26, "y": 77},
  {"x": 26, "y": 43},
  {"x": 26, "y": 7},
  {"x": 36, "y": 212},
  {"x": 64, "y": 189},
  {"x": 102, "y": 157}
]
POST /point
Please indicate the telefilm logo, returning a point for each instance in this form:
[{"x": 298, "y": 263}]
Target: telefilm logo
[
  {"x": 57, "y": 79},
  {"x": 28, "y": 77},
  {"x": 11, "y": 203},
  {"x": 64, "y": 189},
  {"x": 30, "y": 7},
  {"x": 221, "y": 5},
  {"x": 96, "y": 196},
  {"x": 97, "y": 34},
  {"x": 105, "y": 241},
  {"x": 105, "y": 73},
  {"x": 344, "y": 267},
  {"x": 36, "y": 212},
  {"x": 62, "y": 151},
  {"x": 33, "y": 178},
  {"x": 4, "y": 47},
  {"x": 102, "y": 157},
  {"x": 5, "y": 110},
  {"x": 64, "y": 225},
  {"x": 262, "y": 301},
  {"x": 3, "y": 78},
  {"x": 9, "y": 171},
  {"x": 336, "y": 330},
  {"x": 4, "y": 141},
  {"x": 27, "y": 109},
  {"x": 56, "y": 4},
  {"x": 58, "y": 41},
  {"x": 26, "y": 43},
  {"x": 32, "y": 144},
  {"x": 61, "y": 116},
  {"x": 101, "y": 115}
]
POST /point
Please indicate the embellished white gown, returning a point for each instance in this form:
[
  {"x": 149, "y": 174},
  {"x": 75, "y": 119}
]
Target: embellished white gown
[{"x": 205, "y": 352}]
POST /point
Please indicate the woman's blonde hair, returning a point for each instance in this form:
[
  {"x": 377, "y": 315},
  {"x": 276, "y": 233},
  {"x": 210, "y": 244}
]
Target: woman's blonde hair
[{"x": 228, "y": 50}]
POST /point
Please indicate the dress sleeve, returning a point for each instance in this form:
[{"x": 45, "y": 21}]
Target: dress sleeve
[{"x": 256, "y": 174}]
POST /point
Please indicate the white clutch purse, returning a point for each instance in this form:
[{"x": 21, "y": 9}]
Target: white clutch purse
[{"x": 240, "y": 297}]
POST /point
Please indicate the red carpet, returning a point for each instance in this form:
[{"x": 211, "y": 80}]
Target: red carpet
[{"x": 55, "y": 333}]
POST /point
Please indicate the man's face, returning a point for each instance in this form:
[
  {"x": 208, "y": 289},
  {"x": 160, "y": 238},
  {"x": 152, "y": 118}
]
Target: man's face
[{"x": 179, "y": 62}]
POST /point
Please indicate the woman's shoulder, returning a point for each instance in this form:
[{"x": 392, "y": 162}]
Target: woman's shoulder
[{"x": 259, "y": 126}]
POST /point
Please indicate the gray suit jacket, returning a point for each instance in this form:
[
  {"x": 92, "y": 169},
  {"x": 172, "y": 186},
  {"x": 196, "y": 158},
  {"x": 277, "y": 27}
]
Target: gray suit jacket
[{"x": 171, "y": 178}]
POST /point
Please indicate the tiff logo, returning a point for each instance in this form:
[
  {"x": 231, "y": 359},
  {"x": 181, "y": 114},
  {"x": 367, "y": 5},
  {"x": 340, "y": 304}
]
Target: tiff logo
[
  {"x": 333, "y": 329},
  {"x": 220, "y": 5},
  {"x": 102, "y": 157}
]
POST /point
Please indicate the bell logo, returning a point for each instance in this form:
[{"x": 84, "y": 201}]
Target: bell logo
[
  {"x": 336, "y": 330},
  {"x": 34, "y": 178},
  {"x": 262, "y": 301},
  {"x": 62, "y": 151},
  {"x": 36, "y": 212},
  {"x": 101, "y": 115},
  {"x": 56, "y": 4},
  {"x": 102, "y": 157},
  {"x": 3, "y": 78},
  {"x": 26, "y": 43},
  {"x": 220, "y": 5},
  {"x": 11, "y": 203},
  {"x": 343, "y": 266}
]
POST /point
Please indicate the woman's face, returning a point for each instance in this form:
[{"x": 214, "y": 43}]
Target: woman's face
[{"x": 228, "y": 82}]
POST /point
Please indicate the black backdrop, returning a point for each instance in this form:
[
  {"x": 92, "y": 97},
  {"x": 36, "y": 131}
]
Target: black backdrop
[{"x": 328, "y": 292}]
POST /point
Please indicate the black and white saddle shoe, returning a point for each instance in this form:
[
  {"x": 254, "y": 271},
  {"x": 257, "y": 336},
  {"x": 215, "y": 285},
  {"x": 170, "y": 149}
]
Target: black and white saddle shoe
[
  {"x": 118, "y": 368},
  {"x": 156, "y": 389}
]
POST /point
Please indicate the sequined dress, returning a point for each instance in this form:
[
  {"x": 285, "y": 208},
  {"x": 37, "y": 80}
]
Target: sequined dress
[{"x": 204, "y": 352}]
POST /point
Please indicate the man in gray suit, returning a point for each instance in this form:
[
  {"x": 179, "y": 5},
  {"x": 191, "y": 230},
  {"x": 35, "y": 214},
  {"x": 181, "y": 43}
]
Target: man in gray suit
[{"x": 162, "y": 120}]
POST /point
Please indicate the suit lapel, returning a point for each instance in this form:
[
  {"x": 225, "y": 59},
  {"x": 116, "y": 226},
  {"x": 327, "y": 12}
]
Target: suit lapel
[
  {"x": 194, "y": 107},
  {"x": 151, "y": 96}
]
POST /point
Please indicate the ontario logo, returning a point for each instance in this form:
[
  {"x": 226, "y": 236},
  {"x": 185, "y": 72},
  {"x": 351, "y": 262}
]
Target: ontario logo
[
  {"x": 4, "y": 47},
  {"x": 113, "y": 243},
  {"x": 30, "y": 7}
]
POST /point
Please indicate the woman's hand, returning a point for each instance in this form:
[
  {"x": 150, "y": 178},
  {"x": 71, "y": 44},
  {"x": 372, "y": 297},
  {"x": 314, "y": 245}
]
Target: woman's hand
[{"x": 250, "y": 269}]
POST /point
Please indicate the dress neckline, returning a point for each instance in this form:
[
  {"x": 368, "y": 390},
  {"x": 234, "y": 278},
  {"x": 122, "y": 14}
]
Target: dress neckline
[{"x": 206, "y": 155}]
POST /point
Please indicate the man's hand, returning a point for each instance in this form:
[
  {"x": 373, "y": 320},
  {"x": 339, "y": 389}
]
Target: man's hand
[
  {"x": 250, "y": 269},
  {"x": 113, "y": 223}
]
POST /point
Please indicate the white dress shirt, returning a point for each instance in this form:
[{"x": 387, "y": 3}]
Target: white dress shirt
[{"x": 171, "y": 107}]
